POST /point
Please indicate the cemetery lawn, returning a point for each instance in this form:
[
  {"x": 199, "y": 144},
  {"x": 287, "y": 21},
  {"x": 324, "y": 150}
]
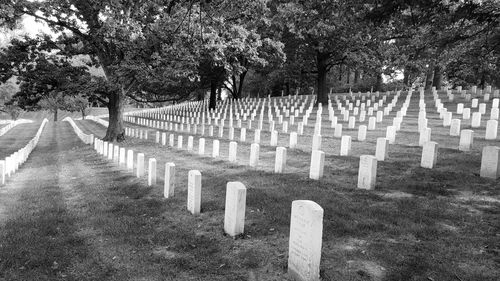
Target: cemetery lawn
[
  {"x": 419, "y": 224},
  {"x": 70, "y": 214}
]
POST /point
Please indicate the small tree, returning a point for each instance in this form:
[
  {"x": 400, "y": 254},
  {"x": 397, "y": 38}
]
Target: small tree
[
  {"x": 53, "y": 102},
  {"x": 77, "y": 103}
]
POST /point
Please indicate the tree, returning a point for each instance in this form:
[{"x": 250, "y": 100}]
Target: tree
[
  {"x": 117, "y": 35},
  {"x": 326, "y": 32}
]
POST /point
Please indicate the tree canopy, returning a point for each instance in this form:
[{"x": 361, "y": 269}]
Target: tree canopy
[{"x": 173, "y": 50}]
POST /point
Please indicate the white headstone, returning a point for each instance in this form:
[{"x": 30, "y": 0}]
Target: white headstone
[
  {"x": 293, "y": 140},
  {"x": 169, "y": 184},
  {"x": 490, "y": 162},
  {"x": 215, "y": 148},
  {"x": 317, "y": 164},
  {"x": 372, "y": 121},
  {"x": 190, "y": 143},
  {"x": 234, "y": 213},
  {"x": 381, "y": 149},
  {"x": 362, "y": 133},
  {"x": 367, "y": 174},
  {"x": 130, "y": 160},
  {"x": 254, "y": 154},
  {"x": 466, "y": 140},
  {"x": 194, "y": 192},
  {"x": 233, "y": 150},
  {"x": 338, "y": 131},
  {"x": 390, "y": 134},
  {"x": 476, "y": 120},
  {"x": 201, "y": 146},
  {"x": 280, "y": 160},
  {"x": 306, "y": 232},
  {"x": 316, "y": 142},
  {"x": 274, "y": 138},
  {"x": 455, "y": 127},
  {"x": 179, "y": 142},
  {"x": 345, "y": 146},
  {"x": 425, "y": 136},
  {"x": 491, "y": 129},
  {"x": 152, "y": 172},
  {"x": 140, "y": 165},
  {"x": 429, "y": 155}
]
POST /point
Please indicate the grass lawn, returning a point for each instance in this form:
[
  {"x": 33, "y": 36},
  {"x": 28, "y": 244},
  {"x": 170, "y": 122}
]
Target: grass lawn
[{"x": 419, "y": 224}]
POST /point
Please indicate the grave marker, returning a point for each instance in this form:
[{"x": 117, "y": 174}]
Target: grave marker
[
  {"x": 306, "y": 232},
  {"x": 234, "y": 213},
  {"x": 194, "y": 192},
  {"x": 367, "y": 172},
  {"x": 169, "y": 185}
]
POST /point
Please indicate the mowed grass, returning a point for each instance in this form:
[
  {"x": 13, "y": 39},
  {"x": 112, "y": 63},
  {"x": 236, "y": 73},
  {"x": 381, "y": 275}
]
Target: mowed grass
[{"x": 418, "y": 224}]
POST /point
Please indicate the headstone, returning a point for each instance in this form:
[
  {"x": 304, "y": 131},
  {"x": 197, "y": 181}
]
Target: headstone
[
  {"x": 215, "y": 148},
  {"x": 140, "y": 165},
  {"x": 122, "y": 156},
  {"x": 171, "y": 139},
  {"x": 455, "y": 127},
  {"x": 345, "y": 146},
  {"x": 110, "y": 151},
  {"x": 491, "y": 129},
  {"x": 194, "y": 192},
  {"x": 367, "y": 174},
  {"x": 179, "y": 142},
  {"x": 390, "y": 134},
  {"x": 466, "y": 114},
  {"x": 317, "y": 165},
  {"x": 169, "y": 184},
  {"x": 490, "y": 162},
  {"x": 2, "y": 172},
  {"x": 429, "y": 155},
  {"x": 233, "y": 150},
  {"x": 293, "y": 140},
  {"x": 425, "y": 136},
  {"x": 163, "y": 139},
  {"x": 201, "y": 146},
  {"x": 306, "y": 232},
  {"x": 234, "y": 213},
  {"x": 316, "y": 142},
  {"x": 256, "y": 136},
  {"x": 381, "y": 149},
  {"x": 372, "y": 121},
  {"x": 280, "y": 160},
  {"x": 466, "y": 140},
  {"x": 494, "y": 115},
  {"x": 274, "y": 138},
  {"x": 152, "y": 172},
  {"x": 190, "y": 143},
  {"x": 338, "y": 131},
  {"x": 243, "y": 134},
  {"x": 352, "y": 122},
  {"x": 130, "y": 160},
  {"x": 254, "y": 154},
  {"x": 476, "y": 120},
  {"x": 362, "y": 133},
  {"x": 460, "y": 108}
]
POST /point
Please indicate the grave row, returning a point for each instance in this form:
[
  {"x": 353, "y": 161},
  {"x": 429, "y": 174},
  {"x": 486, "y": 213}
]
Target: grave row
[
  {"x": 12, "y": 124},
  {"x": 11, "y": 163},
  {"x": 306, "y": 223}
]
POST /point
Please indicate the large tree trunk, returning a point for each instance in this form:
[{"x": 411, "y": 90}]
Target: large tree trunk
[
  {"x": 55, "y": 114},
  {"x": 321, "y": 63},
  {"x": 437, "y": 80},
  {"x": 380, "y": 80},
  {"x": 116, "y": 129},
  {"x": 406, "y": 76},
  {"x": 212, "y": 103},
  {"x": 429, "y": 77},
  {"x": 356, "y": 76}
]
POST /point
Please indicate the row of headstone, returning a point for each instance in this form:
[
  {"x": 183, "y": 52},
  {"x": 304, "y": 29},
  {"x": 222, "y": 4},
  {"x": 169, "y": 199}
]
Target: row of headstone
[{"x": 12, "y": 163}]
